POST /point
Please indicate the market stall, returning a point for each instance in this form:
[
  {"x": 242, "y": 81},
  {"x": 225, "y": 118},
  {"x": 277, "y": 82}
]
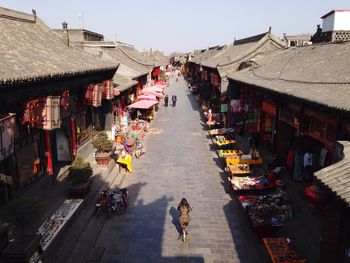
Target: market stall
[
  {"x": 240, "y": 183},
  {"x": 52, "y": 226},
  {"x": 266, "y": 212},
  {"x": 221, "y": 131},
  {"x": 224, "y": 153},
  {"x": 282, "y": 250},
  {"x": 243, "y": 159}
]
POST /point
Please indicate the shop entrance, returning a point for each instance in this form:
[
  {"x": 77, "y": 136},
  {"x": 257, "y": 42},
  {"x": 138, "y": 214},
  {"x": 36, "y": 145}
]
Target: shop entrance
[{"x": 285, "y": 139}]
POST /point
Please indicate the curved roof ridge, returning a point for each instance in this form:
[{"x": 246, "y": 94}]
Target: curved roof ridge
[
  {"x": 259, "y": 44},
  {"x": 133, "y": 59}
]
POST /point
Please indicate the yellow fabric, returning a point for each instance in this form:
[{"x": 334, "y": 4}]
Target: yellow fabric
[{"x": 127, "y": 161}]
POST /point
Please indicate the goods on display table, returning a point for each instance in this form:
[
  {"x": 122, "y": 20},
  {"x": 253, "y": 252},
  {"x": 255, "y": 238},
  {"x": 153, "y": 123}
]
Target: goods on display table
[
  {"x": 232, "y": 153},
  {"x": 239, "y": 169},
  {"x": 267, "y": 210},
  {"x": 282, "y": 250},
  {"x": 251, "y": 183},
  {"x": 221, "y": 131},
  {"x": 243, "y": 159},
  {"x": 224, "y": 142},
  {"x": 52, "y": 226}
]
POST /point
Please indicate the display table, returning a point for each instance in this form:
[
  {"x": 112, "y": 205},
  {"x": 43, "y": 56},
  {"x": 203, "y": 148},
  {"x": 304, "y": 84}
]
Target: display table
[
  {"x": 125, "y": 161},
  {"x": 282, "y": 250},
  {"x": 251, "y": 161},
  {"x": 221, "y": 131},
  {"x": 269, "y": 210},
  {"x": 224, "y": 142},
  {"x": 225, "y": 153},
  {"x": 240, "y": 183},
  {"x": 52, "y": 226},
  {"x": 238, "y": 169}
]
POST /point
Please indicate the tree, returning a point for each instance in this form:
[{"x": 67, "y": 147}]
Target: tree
[
  {"x": 79, "y": 171},
  {"x": 102, "y": 143},
  {"x": 20, "y": 212}
]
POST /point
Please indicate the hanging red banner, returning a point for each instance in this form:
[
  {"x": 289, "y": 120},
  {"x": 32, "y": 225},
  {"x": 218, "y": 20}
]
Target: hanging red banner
[
  {"x": 48, "y": 153},
  {"x": 74, "y": 142}
]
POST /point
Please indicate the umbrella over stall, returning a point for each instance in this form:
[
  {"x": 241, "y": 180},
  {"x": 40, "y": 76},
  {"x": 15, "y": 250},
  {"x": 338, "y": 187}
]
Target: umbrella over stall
[{"x": 142, "y": 104}]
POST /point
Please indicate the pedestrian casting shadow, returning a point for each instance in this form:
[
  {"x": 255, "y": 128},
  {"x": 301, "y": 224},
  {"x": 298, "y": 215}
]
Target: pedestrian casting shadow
[{"x": 175, "y": 215}]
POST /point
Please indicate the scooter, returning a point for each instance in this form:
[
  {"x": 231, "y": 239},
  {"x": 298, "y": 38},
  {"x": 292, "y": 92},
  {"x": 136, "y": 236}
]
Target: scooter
[
  {"x": 112, "y": 203},
  {"x": 122, "y": 202},
  {"x": 101, "y": 203}
]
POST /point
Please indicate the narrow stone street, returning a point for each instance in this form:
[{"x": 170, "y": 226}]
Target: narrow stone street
[{"x": 178, "y": 163}]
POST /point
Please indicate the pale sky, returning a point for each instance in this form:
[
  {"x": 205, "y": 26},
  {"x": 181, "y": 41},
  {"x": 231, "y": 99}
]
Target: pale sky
[{"x": 181, "y": 25}]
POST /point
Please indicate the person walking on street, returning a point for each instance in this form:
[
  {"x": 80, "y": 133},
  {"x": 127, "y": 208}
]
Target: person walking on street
[
  {"x": 174, "y": 99},
  {"x": 166, "y": 100},
  {"x": 184, "y": 218}
]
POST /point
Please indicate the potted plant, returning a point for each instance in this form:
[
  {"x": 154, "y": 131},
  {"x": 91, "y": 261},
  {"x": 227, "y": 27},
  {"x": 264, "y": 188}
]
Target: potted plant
[
  {"x": 104, "y": 147},
  {"x": 79, "y": 176},
  {"x": 21, "y": 212}
]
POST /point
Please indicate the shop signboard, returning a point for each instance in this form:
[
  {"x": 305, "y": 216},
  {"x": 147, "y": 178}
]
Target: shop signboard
[
  {"x": 7, "y": 131},
  {"x": 63, "y": 149}
]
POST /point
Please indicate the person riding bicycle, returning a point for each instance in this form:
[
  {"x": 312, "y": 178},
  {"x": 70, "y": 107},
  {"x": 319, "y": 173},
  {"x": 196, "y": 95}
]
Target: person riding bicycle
[{"x": 184, "y": 218}]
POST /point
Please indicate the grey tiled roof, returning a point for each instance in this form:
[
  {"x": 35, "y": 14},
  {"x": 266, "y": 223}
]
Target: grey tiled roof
[
  {"x": 127, "y": 57},
  {"x": 242, "y": 50},
  {"x": 337, "y": 176},
  {"x": 126, "y": 68},
  {"x": 31, "y": 52},
  {"x": 317, "y": 73},
  {"x": 123, "y": 82},
  {"x": 205, "y": 54},
  {"x": 136, "y": 56},
  {"x": 158, "y": 57}
]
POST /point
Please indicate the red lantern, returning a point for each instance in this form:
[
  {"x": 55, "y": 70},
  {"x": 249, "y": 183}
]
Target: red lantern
[{"x": 314, "y": 195}]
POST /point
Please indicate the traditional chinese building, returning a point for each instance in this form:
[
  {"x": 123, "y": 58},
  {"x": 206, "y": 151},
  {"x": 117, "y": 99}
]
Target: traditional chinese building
[{"x": 53, "y": 90}]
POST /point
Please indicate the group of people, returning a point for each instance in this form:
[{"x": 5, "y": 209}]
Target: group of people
[{"x": 173, "y": 99}]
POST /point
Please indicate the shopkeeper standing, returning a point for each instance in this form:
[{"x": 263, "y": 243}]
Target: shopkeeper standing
[{"x": 307, "y": 173}]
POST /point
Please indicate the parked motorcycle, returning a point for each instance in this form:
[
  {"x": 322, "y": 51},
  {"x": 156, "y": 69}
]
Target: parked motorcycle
[
  {"x": 112, "y": 203},
  {"x": 102, "y": 203},
  {"x": 122, "y": 202}
]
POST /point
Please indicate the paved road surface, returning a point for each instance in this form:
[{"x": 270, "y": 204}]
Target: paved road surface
[{"x": 179, "y": 163}]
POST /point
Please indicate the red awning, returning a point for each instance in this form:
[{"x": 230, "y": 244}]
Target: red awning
[
  {"x": 157, "y": 94},
  {"x": 153, "y": 89},
  {"x": 143, "y": 104},
  {"x": 162, "y": 84},
  {"x": 146, "y": 97}
]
